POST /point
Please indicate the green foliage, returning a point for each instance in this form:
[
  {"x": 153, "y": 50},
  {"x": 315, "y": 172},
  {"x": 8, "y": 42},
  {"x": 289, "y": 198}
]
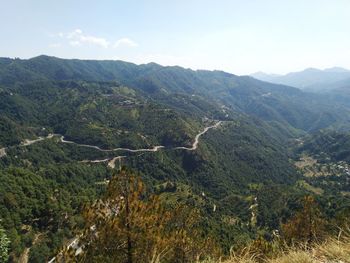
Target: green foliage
[
  {"x": 268, "y": 101},
  {"x": 306, "y": 225},
  {"x": 45, "y": 200},
  {"x": 128, "y": 226},
  {"x": 116, "y": 104},
  {"x": 4, "y": 246},
  {"x": 328, "y": 144},
  {"x": 39, "y": 252}
]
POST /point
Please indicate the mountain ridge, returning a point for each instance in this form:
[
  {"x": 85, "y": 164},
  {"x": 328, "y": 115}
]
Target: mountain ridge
[
  {"x": 116, "y": 104},
  {"x": 241, "y": 93},
  {"x": 311, "y": 79}
]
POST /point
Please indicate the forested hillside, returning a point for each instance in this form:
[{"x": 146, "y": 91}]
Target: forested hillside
[
  {"x": 224, "y": 144},
  {"x": 302, "y": 110}
]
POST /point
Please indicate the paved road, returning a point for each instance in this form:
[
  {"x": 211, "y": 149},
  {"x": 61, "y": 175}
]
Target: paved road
[
  {"x": 196, "y": 140},
  {"x": 111, "y": 162},
  {"x": 154, "y": 149}
]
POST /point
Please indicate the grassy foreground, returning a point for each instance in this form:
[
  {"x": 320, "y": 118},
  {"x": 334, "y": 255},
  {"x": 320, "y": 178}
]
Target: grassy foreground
[{"x": 334, "y": 250}]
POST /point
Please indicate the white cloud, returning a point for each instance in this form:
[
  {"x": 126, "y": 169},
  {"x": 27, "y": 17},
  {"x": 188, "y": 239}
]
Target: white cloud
[
  {"x": 74, "y": 43},
  {"x": 77, "y": 37},
  {"x": 74, "y": 33},
  {"x": 55, "y": 45},
  {"x": 125, "y": 42}
]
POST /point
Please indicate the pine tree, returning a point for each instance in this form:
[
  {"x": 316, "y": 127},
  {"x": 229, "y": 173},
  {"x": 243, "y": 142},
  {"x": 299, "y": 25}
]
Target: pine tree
[
  {"x": 306, "y": 225},
  {"x": 129, "y": 226}
]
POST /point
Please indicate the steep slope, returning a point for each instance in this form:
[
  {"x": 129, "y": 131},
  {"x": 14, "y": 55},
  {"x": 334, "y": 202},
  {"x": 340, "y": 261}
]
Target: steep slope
[
  {"x": 105, "y": 114},
  {"x": 265, "y": 100},
  {"x": 112, "y": 104},
  {"x": 328, "y": 144}
]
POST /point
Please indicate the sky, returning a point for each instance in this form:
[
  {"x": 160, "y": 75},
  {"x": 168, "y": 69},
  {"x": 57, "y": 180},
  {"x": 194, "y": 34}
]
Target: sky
[{"x": 240, "y": 37}]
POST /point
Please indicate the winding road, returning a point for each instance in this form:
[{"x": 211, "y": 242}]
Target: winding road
[
  {"x": 196, "y": 139},
  {"x": 28, "y": 142},
  {"x": 111, "y": 161},
  {"x": 154, "y": 149}
]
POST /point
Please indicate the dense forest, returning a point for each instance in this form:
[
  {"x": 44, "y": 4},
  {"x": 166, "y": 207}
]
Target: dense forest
[{"x": 68, "y": 126}]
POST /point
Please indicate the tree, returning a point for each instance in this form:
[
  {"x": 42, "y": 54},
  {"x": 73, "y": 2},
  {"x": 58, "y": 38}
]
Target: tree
[
  {"x": 39, "y": 252},
  {"x": 128, "y": 226},
  {"x": 306, "y": 225},
  {"x": 189, "y": 243},
  {"x": 4, "y": 246}
]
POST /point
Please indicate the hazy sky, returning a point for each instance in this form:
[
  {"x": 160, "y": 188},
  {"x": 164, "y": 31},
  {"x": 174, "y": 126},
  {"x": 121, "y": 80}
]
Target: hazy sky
[{"x": 240, "y": 37}]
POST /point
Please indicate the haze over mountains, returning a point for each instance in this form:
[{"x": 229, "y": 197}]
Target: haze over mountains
[{"x": 310, "y": 79}]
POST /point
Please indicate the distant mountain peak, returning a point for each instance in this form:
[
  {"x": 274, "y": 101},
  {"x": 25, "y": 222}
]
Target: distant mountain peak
[
  {"x": 309, "y": 78},
  {"x": 262, "y": 73},
  {"x": 310, "y": 70},
  {"x": 337, "y": 70}
]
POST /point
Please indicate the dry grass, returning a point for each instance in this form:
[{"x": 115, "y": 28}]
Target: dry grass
[
  {"x": 294, "y": 257},
  {"x": 335, "y": 251},
  {"x": 331, "y": 251}
]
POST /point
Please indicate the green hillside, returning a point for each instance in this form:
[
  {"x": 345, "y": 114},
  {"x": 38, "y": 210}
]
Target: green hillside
[
  {"x": 302, "y": 110},
  {"x": 223, "y": 141}
]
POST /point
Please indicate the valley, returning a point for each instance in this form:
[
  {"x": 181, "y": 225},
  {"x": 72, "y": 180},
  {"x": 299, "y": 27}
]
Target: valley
[
  {"x": 138, "y": 132},
  {"x": 242, "y": 152}
]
